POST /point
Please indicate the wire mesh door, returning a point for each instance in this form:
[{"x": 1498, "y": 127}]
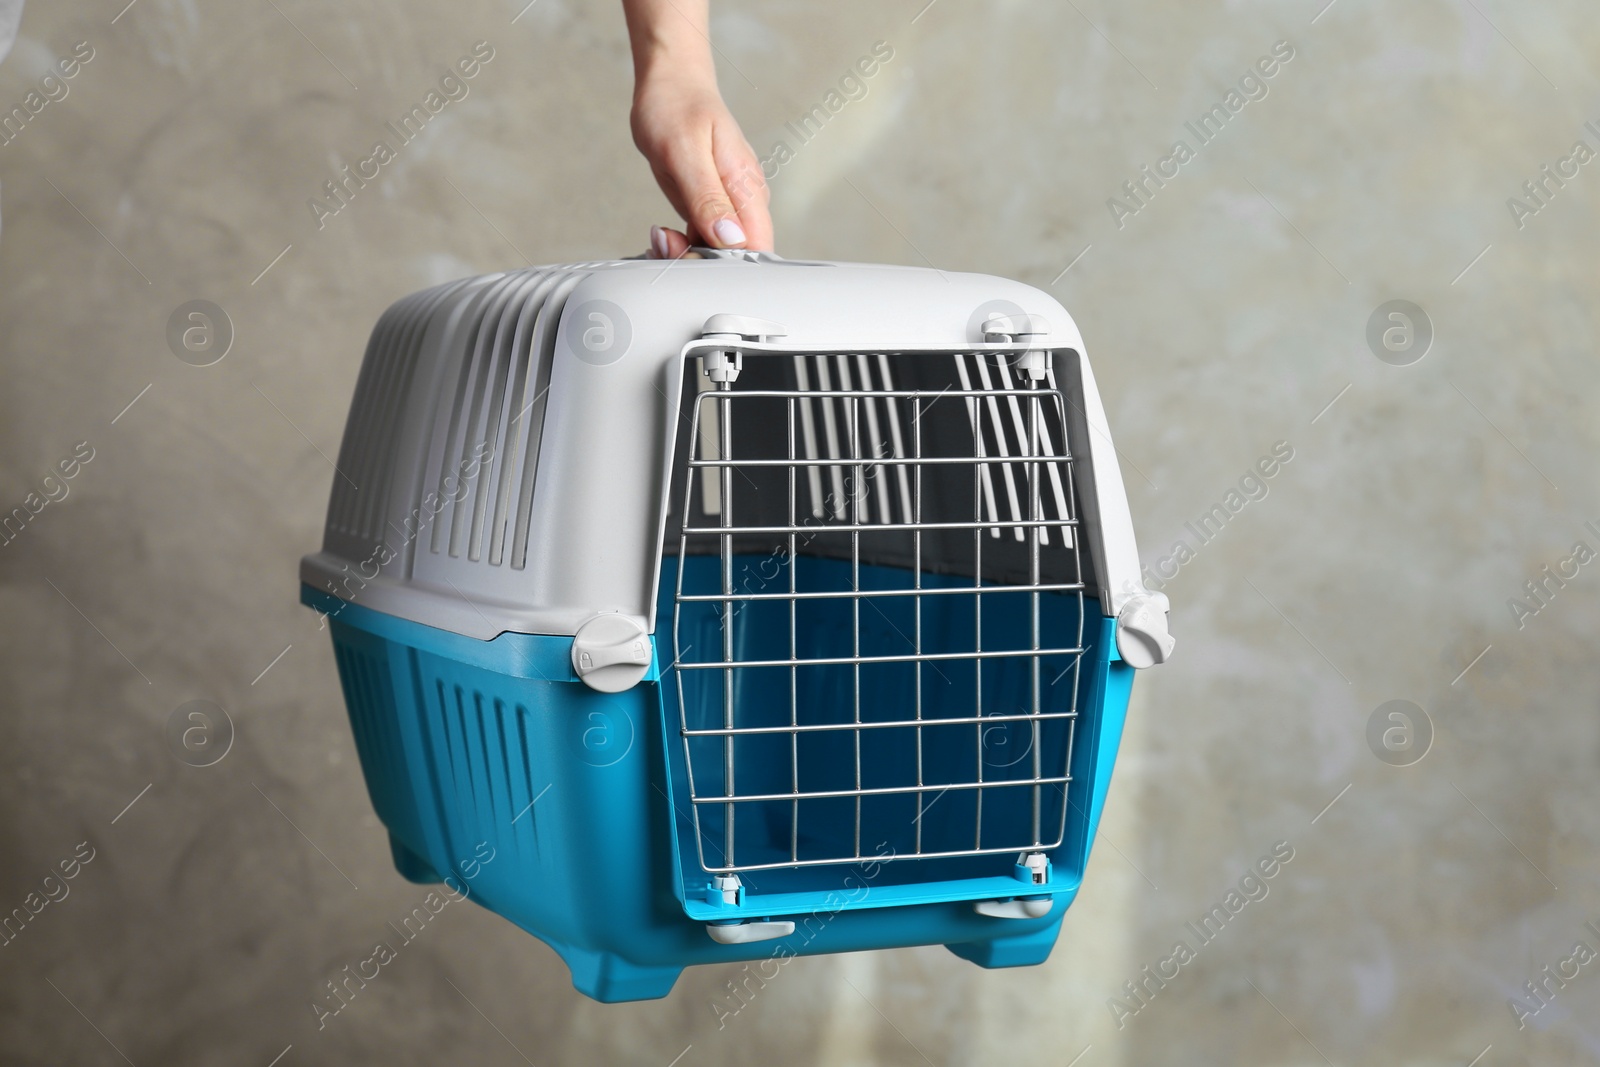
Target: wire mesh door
[{"x": 878, "y": 618}]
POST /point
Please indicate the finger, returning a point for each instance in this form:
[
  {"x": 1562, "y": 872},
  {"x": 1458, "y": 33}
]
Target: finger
[
  {"x": 667, "y": 243},
  {"x": 756, "y": 221},
  {"x": 746, "y": 186},
  {"x": 705, "y": 200},
  {"x": 674, "y": 195},
  {"x": 677, "y": 243}
]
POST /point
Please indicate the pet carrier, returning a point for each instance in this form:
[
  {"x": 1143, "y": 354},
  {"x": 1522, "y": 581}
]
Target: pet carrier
[{"x": 736, "y": 608}]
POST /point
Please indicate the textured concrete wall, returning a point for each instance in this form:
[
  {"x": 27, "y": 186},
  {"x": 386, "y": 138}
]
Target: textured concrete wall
[{"x": 1227, "y": 313}]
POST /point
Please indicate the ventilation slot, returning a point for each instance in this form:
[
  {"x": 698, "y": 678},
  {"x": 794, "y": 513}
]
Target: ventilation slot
[
  {"x": 366, "y": 455},
  {"x": 481, "y": 762},
  {"x": 489, "y": 451},
  {"x": 883, "y": 494},
  {"x": 369, "y": 696}
]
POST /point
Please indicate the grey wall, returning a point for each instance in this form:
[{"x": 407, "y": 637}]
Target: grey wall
[{"x": 1224, "y": 316}]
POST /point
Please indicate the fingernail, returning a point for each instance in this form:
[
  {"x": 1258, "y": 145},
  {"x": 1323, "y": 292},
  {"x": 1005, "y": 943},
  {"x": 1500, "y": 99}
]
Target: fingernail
[
  {"x": 729, "y": 232},
  {"x": 658, "y": 242}
]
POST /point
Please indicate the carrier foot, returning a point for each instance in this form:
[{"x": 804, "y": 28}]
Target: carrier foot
[
  {"x": 1016, "y": 950},
  {"x": 411, "y": 866},
  {"x": 610, "y": 979}
]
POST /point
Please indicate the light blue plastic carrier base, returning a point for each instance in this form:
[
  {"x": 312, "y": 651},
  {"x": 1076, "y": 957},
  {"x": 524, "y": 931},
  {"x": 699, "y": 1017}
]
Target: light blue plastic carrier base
[{"x": 471, "y": 745}]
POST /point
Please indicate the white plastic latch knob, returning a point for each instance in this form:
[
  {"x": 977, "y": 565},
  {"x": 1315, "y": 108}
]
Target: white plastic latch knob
[
  {"x": 1034, "y": 363},
  {"x": 1020, "y": 326},
  {"x": 1143, "y": 639},
  {"x": 740, "y": 933},
  {"x": 727, "y": 887},
  {"x": 724, "y": 365},
  {"x": 1033, "y": 868},
  {"x": 1021, "y": 908},
  {"x": 742, "y": 326},
  {"x": 611, "y": 653}
]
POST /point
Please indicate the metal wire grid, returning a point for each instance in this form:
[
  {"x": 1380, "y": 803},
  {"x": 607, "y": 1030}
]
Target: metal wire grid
[{"x": 1025, "y": 453}]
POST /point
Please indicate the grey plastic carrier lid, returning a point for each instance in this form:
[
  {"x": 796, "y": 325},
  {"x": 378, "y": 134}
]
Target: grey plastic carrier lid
[{"x": 506, "y": 459}]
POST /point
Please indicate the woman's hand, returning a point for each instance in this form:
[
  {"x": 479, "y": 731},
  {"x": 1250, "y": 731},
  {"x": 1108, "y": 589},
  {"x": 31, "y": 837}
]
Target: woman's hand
[{"x": 699, "y": 157}]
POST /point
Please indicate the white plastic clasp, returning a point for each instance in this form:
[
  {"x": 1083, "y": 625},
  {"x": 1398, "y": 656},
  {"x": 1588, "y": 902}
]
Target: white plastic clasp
[
  {"x": 1027, "y": 329},
  {"x": 725, "y": 889},
  {"x": 742, "y": 933},
  {"x": 727, "y": 886},
  {"x": 1143, "y": 636},
  {"x": 1021, "y": 908},
  {"x": 1034, "y": 869},
  {"x": 724, "y": 365},
  {"x": 611, "y": 653}
]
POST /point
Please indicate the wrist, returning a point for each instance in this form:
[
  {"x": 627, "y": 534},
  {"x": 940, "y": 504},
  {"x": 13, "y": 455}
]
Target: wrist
[{"x": 681, "y": 58}]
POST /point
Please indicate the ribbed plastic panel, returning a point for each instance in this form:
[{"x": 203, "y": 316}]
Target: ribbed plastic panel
[
  {"x": 493, "y": 424},
  {"x": 483, "y": 448},
  {"x": 366, "y": 456},
  {"x": 479, "y": 746},
  {"x": 364, "y": 674}
]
